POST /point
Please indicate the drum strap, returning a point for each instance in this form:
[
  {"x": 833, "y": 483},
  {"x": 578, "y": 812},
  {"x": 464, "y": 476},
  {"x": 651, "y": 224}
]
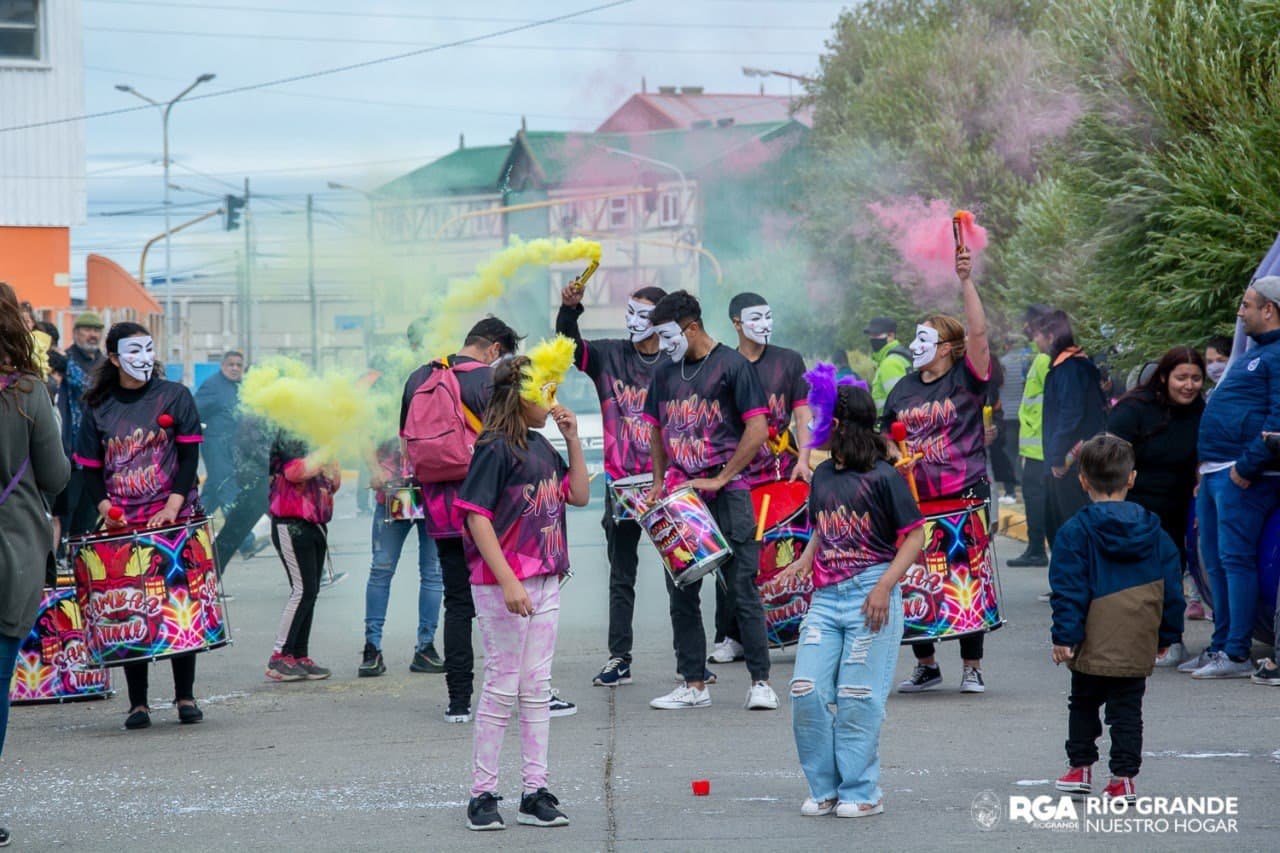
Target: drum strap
[{"x": 17, "y": 478}]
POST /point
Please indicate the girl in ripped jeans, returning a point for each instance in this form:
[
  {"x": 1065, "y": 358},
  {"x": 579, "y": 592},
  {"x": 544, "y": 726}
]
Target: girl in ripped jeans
[{"x": 867, "y": 531}]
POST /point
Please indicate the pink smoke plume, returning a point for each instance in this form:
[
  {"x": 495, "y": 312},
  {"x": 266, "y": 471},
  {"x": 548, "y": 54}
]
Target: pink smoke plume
[{"x": 923, "y": 237}]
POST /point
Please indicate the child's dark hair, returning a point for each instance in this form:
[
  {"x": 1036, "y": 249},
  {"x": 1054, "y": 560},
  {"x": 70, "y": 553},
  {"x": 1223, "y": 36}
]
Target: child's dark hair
[
  {"x": 855, "y": 444},
  {"x": 1221, "y": 343},
  {"x": 504, "y": 418},
  {"x": 678, "y": 307},
  {"x": 1106, "y": 461},
  {"x": 106, "y": 378}
]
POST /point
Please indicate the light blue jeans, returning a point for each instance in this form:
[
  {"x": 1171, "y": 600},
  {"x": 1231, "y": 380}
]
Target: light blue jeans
[
  {"x": 840, "y": 662},
  {"x": 388, "y": 542}
]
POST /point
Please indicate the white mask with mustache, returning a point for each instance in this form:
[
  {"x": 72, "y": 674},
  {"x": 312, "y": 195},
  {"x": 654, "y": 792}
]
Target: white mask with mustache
[
  {"x": 638, "y": 322},
  {"x": 672, "y": 340},
  {"x": 137, "y": 357},
  {"x": 924, "y": 347},
  {"x": 757, "y": 323}
]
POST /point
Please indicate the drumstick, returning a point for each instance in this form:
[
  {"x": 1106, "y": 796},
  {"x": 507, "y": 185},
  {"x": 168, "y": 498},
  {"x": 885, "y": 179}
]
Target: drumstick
[
  {"x": 764, "y": 513},
  {"x": 898, "y": 431}
]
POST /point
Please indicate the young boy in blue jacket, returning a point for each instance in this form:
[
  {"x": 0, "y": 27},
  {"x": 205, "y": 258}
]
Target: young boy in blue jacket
[{"x": 1116, "y": 593}]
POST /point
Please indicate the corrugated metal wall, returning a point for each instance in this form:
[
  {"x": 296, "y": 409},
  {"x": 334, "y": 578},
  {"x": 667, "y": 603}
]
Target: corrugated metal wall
[{"x": 42, "y": 169}]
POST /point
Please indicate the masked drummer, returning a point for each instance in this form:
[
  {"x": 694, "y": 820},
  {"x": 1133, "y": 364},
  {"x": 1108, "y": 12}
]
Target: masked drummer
[
  {"x": 781, "y": 374},
  {"x": 621, "y": 370},
  {"x": 708, "y": 418},
  {"x": 139, "y": 446},
  {"x": 941, "y": 405}
]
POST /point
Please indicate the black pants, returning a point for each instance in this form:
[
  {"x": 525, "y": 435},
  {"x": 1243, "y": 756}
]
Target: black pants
[
  {"x": 302, "y": 547},
  {"x": 1034, "y": 497},
  {"x": 732, "y": 512},
  {"x": 184, "y": 679},
  {"x": 1001, "y": 463},
  {"x": 1123, "y": 698},
  {"x": 249, "y": 506},
  {"x": 622, "y": 539},
  {"x": 1063, "y": 498},
  {"x": 459, "y": 613},
  {"x": 970, "y": 648},
  {"x": 74, "y": 506}
]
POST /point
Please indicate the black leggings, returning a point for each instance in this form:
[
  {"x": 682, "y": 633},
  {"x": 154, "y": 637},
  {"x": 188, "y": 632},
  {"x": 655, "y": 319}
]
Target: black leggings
[
  {"x": 302, "y": 547},
  {"x": 184, "y": 679},
  {"x": 970, "y": 648}
]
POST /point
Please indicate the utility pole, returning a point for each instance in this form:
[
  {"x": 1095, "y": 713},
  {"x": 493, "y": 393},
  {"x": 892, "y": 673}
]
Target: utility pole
[
  {"x": 311, "y": 286},
  {"x": 246, "y": 305}
]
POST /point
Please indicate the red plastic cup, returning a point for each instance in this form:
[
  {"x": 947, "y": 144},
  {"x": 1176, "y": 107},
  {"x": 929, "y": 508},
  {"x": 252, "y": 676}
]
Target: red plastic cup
[{"x": 702, "y": 787}]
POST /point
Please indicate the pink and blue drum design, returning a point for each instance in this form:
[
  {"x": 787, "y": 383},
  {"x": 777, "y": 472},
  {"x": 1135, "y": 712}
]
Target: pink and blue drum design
[
  {"x": 686, "y": 536},
  {"x": 955, "y": 589},
  {"x": 786, "y": 532},
  {"x": 150, "y": 594},
  {"x": 54, "y": 664},
  {"x": 403, "y": 502},
  {"x": 628, "y": 494},
  {"x": 1267, "y": 616}
]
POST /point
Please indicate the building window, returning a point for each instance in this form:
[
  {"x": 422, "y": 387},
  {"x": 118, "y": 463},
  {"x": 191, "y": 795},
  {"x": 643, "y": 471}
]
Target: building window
[
  {"x": 619, "y": 210},
  {"x": 669, "y": 209},
  {"x": 19, "y": 29}
]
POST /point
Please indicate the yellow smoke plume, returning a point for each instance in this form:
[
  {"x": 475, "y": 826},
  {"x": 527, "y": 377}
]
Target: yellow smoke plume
[
  {"x": 334, "y": 413},
  {"x": 457, "y": 309},
  {"x": 550, "y": 361}
]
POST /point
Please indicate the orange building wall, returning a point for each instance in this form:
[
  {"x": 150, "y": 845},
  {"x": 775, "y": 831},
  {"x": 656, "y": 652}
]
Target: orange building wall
[{"x": 31, "y": 259}]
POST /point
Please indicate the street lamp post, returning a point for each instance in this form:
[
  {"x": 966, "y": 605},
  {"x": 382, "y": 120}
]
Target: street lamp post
[{"x": 171, "y": 331}]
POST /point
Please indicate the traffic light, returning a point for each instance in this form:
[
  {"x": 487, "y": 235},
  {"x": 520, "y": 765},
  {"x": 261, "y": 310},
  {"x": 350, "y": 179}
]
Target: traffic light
[{"x": 231, "y": 207}]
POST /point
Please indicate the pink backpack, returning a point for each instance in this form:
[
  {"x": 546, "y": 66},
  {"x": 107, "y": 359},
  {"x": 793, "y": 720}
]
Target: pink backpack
[{"x": 439, "y": 430}]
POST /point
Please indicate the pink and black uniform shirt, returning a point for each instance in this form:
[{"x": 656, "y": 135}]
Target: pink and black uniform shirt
[
  {"x": 781, "y": 374},
  {"x": 523, "y": 493},
  {"x": 944, "y": 424},
  {"x": 444, "y": 519},
  {"x": 701, "y": 408},
  {"x": 305, "y": 500},
  {"x": 622, "y": 376},
  {"x": 133, "y": 436},
  {"x": 858, "y": 519}
]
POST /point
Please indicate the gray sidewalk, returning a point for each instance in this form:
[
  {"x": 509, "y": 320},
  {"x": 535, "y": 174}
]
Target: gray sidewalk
[{"x": 368, "y": 764}]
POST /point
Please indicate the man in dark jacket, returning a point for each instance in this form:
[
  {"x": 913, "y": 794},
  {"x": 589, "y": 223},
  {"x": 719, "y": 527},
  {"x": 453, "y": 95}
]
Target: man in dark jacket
[
  {"x": 83, "y": 358},
  {"x": 218, "y": 400},
  {"x": 1117, "y": 602}
]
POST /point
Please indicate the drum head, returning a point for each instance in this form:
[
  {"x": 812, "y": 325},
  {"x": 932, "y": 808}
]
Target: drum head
[{"x": 786, "y": 500}]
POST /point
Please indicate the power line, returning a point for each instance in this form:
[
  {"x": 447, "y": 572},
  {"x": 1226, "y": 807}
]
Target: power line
[{"x": 311, "y": 75}]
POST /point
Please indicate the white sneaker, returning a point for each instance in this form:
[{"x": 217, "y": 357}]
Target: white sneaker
[
  {"x": 726, "y": 651},
  {"x": 813, "y": 808},
  {"x": 1172, "y": 656},
  {"x": 971, "y": 682},
  {"x": 1192, "y": 664},
  {"x": 683, "y": 698},
  {"x": 762, "y": 698},
  {"x": 859, "y": 809},
  {"x": 1008, "y": 500},
  {"x": 1224, "y": 667}
]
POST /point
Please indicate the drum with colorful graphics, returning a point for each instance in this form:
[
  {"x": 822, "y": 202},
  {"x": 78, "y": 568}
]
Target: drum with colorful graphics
[
  {"x": 628, "y": 494},
  {"x": 686, "y": 536},
  {"x": 54, "y": 664},
  {"x": 955, "y": 588},
  {"x": 403, "y": 502},
  {"x": 150, "y": 594},
  {"x": 783, "y": 524}
]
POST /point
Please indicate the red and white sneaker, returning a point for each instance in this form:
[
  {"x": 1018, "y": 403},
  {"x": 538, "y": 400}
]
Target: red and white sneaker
[
  {"x": 1077, "y": 780},
  {"x": 1121, "y": 787}
]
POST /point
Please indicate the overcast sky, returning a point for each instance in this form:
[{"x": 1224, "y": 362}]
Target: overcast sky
[{"x": 366, "y": 125}]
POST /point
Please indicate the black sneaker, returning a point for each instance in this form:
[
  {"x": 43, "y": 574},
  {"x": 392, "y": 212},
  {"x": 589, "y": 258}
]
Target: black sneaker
[
  {"x": 371, "y": 662},
  {"x": 189, "y": 714},
  {"x": 560, "y": 707},
  {"x": 5, "y": 837},
  {"x": 427, "y": 659},
  {"x": 539, "y": 809},
  {"x": 1028, "y": 559},
  {"x": 1266, "y": 673},
  {"x": 457, "y": 713},
  {"x": 922, "y": 678},
  {"x": 482, "y": 813},
  {"x": 140, "y": 719}
]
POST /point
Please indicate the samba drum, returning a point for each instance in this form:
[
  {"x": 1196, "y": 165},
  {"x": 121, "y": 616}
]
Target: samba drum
[
  {"x": 780, "y": 514},
  {"x": 686, "y": 536},
  {"x": 150, "y": 594},
  {"x": 403, "y": 502},
  {"x": 1264, "y": 619},
  {"x": 955, "y": 589},
  {"x": 53, "y": 662},
  {"x": 628, "y": 495}
]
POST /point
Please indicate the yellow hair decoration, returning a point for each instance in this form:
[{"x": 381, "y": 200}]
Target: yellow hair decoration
[{"x": 550, "y": 361}]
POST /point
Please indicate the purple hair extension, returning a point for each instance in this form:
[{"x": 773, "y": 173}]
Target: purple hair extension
[{"x": 823, "y": 391}]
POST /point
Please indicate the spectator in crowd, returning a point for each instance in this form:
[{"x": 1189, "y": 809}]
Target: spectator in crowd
[
  {"x": 83, "y": 358},
  {"x": 1217, "y": 352},
  {"x": 218, "y": 400},
  {"x": 892, "y": 359},
  {"x": 1031, "y": 445}
]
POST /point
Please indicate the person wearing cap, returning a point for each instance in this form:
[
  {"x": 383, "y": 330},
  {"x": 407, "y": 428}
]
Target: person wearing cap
[
  {"x": 1238, "y": 487},
  {"x": 82, "y": 362},
  {"x": 1031, "y": 448},
  {"x": 892, "y": 359}
]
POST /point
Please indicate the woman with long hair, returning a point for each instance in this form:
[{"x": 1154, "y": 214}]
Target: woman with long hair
[
  {"x": 134, "y": 483},
  {"x": 32, "y": 465},
  {"x": 940, "y": 404}
]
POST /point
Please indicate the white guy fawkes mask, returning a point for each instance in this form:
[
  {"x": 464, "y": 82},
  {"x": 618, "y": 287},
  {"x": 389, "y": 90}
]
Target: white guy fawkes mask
[
  {"x": 672, "y": 340},
  {"x": 924, "y": 347},
  {"x": 638, "y": 322},
  {"x": 137, "y": 357},
  {"x": 757, "y": 323}
]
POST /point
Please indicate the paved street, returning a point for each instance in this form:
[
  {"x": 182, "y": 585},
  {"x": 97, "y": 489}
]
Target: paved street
[{"x": 368, "y": 763}]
